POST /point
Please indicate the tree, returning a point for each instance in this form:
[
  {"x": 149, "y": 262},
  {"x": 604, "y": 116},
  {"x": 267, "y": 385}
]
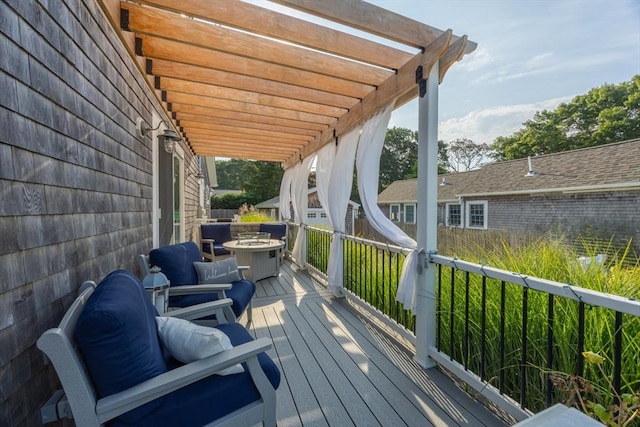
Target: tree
[
  {"x": 464, "y": 155},
  {"x": 229, "y": 173},
  {"x": 261, "y": 180},
  {"x": 609, "y": 113},
  {"x": 399, "y": 156}
]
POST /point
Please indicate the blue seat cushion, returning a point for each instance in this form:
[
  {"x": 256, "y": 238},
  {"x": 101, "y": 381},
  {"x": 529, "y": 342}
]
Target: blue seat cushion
[
  {"x": 117, "y": 336},
  {"x": 215, "y": 396},
  {"x": 277, "y": 230},
  {"x": 241, "y": 293},
  {"x": 176, "y": 262}
]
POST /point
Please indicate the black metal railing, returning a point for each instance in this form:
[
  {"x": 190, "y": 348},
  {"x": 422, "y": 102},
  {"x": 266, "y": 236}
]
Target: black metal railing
[
  {"x": 516, "y": 333},
  {"x": 503, "y": 333},
  {"x": 318, "y": 245},
  {"x": 372, "y": 272}
]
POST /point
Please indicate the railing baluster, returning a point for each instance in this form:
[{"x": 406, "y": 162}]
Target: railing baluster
[
  {"x": 483, "y": 329},
  {"x": 550, "y": 319},
  {"x": 465, "y": 350},
  {"x": 501, "y": 345},
  {"x": 523, "y": 359},
  {"x": 451, "y": 313},
  {"x": 439, "y": 308}
]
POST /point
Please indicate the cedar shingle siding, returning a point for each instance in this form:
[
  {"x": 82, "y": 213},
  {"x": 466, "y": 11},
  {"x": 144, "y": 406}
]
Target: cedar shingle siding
[
  {"x": 591, "y": 193},
  {"x": 74, "y": 178}
]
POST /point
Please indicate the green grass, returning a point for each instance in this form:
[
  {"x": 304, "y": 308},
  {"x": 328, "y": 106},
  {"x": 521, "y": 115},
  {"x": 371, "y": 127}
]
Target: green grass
[
  {"x": 551, "y": 261},
  {"x": 373, "y": 274}
]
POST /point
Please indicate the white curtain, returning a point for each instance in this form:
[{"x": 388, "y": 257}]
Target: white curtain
[
  {"x": 285, "y": 195},
  {"x": 334, "y": 170},
  {"x": 368, "y": 164},
  {"x": 300, "y": 201}
]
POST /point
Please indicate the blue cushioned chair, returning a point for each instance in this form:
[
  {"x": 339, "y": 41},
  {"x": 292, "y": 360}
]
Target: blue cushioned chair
[
  {"x": 115, "y": 371},
  {"x": 212, "y": 238},
  {"x": 176, "y": 262},
  {"x": 278, "y": 231}
]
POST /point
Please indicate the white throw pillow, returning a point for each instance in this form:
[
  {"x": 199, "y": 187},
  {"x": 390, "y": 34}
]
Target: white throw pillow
[{"x": 188, "y": 342}]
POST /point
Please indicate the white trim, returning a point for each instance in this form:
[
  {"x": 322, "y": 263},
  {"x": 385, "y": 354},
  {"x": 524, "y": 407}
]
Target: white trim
[
  {"x": 391, "y": 212},
  {"x": 467, "y": 214},
  {"x": 405, "y": 213},
  {"x": 578, "y": 189},
  {"x": 155, "y": 185},
  {"x": 446, "y": 215}
]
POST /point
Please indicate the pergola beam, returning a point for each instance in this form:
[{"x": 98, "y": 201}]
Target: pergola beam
[
  {"x": 398, "y": 85},
  {"x": 374, "y": 20},
  {"x": 269, "y": 23},
  {"x": 213, "y": 91}
]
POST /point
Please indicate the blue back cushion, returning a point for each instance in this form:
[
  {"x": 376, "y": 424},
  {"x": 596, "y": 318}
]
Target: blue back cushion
[
  {"x": 212, "y": 397},
  {"x": 118, "y": 339},
  {"x": 277, "y": 230},
  {"x": 176, "y": 262},
  {"x": 219, "y": 232}
]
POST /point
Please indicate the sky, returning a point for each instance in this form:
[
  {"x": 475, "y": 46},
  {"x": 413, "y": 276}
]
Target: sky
[{"x": 532, "y": 55}]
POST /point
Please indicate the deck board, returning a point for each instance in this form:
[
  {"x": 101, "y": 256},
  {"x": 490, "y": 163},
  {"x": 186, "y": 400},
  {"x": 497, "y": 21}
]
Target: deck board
[{"x": 338, "y": 369}]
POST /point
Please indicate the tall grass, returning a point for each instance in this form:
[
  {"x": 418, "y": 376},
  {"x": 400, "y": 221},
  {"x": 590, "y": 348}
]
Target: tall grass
[{"x": 553, "y": 261}]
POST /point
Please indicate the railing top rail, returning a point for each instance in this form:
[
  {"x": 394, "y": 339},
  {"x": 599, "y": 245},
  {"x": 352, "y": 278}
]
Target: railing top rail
[
  {"x": 378, "y": 245},
  {"x": 566, "y": 290}
]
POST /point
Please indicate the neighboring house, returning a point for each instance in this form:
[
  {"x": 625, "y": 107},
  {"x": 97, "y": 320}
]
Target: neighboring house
[
  {"x": 592, "y": 192},
  {"x": 316, "y": 216}
]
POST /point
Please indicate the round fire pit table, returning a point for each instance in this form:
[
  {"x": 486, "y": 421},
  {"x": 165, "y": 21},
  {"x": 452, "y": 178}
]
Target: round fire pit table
[{"x": 262, "y": 257}]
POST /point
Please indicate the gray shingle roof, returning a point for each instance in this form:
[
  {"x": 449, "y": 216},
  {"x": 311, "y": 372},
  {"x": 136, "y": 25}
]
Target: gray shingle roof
[{"x": 608, "y": 166}]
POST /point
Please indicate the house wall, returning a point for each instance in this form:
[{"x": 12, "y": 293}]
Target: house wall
[
  {"x": 590, "y": 215},
  {"x": 75, "y": 180},
  {"x": 601, "y": 216}
]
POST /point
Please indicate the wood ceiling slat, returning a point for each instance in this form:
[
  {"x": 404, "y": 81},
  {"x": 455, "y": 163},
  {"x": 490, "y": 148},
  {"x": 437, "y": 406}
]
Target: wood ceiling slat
[
  {"x": 243, "y": 107},
  {"x": 165, "y": 68},
  {"x": 184, "y": 86},
  {"x": 234, "y": 145},
  {"x": 153, "y": 47},
  {"x": 291, "y": 144},
  {"x": 209, "y": 151},
  {"x": 187, "y": 119},
  {"x": 252, "y": 118},
  {"x": 373, "y": 19},
  {"x": 185, "y": 30},
  {"x": 388, "y": 91},
  {"x": 206, "y": 127},
  {"x": 283, "y": 27}
]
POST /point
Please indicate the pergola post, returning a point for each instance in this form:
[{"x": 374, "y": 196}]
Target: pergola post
[{"x": 427, "y": 216}]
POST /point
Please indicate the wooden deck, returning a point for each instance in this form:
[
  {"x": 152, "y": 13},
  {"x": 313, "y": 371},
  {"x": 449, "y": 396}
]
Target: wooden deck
[{"x": 339, "y": 370}]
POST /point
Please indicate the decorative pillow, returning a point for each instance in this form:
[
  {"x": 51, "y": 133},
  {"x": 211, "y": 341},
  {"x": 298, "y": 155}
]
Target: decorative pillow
[
  {"x": 188, "y": 342},
  {"x": 216, "y": 272}
]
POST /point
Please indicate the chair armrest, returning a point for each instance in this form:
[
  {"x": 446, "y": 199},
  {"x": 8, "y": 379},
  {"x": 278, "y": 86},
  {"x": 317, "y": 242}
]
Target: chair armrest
[
  {"x": 111, "y": 406},
  {"x": 207, "y": 240},
  {"x": 204, "y": 309},
  {"x": 198, "y": 289}
]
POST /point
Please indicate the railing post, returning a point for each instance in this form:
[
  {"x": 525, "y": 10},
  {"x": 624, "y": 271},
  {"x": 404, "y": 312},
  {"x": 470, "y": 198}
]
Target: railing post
[{"x": 427, "y": 216}]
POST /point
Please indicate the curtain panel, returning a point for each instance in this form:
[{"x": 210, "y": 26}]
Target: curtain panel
[
  {"x": 334, "y": 170},
  {"x": 368, "y": 165}
]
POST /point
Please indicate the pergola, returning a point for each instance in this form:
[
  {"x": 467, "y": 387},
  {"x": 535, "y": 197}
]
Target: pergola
[{"x": 243, "y": 81}]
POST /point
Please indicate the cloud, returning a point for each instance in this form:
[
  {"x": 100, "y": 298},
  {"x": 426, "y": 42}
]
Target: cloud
[{"x": 484, "y": 126}]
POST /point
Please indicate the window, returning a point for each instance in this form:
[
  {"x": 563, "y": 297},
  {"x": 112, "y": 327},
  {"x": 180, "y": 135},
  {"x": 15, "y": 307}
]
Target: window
[
  {"x": 477, "y": 215},
  {"x": 323, "y": 214},
  {"x": 394, "y": 213},
  {"x": 311, "y": 215},
  {"x": 454, "y": 215},
  {"x": 410, "y": 214}
]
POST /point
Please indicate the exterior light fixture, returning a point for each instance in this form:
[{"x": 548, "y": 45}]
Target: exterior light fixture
[{"x": 169, "y": 137}]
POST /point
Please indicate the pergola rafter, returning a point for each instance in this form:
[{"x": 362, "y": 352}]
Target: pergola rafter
[{"x": 244, "y": 81}]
